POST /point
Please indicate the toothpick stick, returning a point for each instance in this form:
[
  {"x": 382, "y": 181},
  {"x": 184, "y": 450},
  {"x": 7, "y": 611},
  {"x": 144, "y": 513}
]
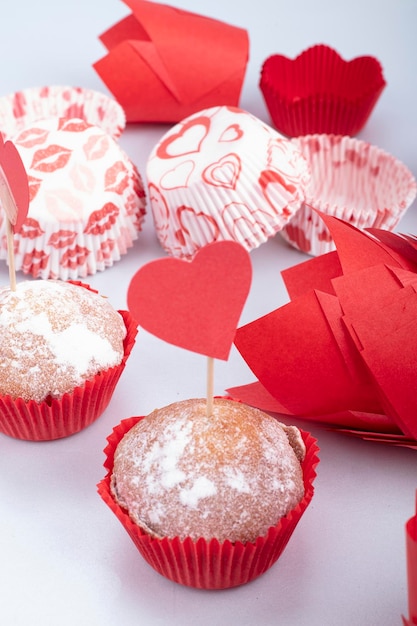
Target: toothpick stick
[
  {"x": 210, "y": 385},
  {"x": 10, "y": 256}
]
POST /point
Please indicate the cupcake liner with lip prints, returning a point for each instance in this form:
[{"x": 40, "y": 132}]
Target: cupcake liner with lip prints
[
  {"x": 55, "y": 418},
  {"x": 23, "y": 108},
  {"x": 210, "y": 564},
  {"x": 320, "y": 92},
  {"x": 86, "y": 205},
  {"x": 352, "y": 180}
]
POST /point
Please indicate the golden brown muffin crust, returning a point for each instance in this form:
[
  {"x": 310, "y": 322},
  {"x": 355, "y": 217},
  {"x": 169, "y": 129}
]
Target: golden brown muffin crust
[
  {"x": 231, "y": 476},
  {"x": 53, "y": 337}
]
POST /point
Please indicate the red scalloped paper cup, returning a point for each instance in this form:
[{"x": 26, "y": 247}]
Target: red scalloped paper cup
[
  {"x": 87, "y": 201},
  {"x": 24, "y": 108},
  {"x": 222, "y": 174},
  {"x": 320, "y": 92},
  {"x": 352, "y": 180},
  {"x": 210, "y": 564},
  {"x": 65, "y": 416}
]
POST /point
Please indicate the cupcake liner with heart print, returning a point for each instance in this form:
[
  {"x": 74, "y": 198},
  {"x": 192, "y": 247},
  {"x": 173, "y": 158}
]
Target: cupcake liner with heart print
[
  {"x": 23, "y": 108},
  {"x": 352, "y": 180},
  {"x": 222, "y": 174},
  {"x": 87, "y": 201}
]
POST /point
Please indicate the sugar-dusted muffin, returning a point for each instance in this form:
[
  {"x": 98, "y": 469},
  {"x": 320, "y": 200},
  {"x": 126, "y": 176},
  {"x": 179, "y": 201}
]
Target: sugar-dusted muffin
[
  {"x": 210, "y": 502},
  {"x": 232, "y": 475},
  {"x": 54, "y": 338}
]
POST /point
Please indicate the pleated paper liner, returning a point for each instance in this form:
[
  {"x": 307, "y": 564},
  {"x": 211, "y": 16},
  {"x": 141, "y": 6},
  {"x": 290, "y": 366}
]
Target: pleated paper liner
[
  {"x": 320, "y": 92},
  {"x": 222, "y": 174},
  {"x": 23, "y": 108},
  {"x": 87, "y": 201},
  {"x": 210, "y": 564},
  {"x": 55, "y": 418},
  {"x": 352, "y": 180}
]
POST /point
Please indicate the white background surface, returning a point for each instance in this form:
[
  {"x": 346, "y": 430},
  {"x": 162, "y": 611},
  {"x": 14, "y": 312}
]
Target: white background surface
[{"x": 64, "y": 558}]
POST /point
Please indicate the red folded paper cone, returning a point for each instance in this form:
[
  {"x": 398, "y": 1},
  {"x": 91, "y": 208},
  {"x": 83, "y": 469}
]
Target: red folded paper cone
[
  {"x": 411, "y": 547},
  {"x": 164, "y": 63},
  {"x": 320, "y": 92},
  {"x": 210, "y": 564},
  {"x": 65, "y": 416}
]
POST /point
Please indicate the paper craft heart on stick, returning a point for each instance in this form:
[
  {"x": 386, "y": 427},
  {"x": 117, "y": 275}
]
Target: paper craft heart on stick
[
  {"x": 14, "y": 182},
  {"x": 14, "y": 197},
  {"x": 194, "y": 304}
]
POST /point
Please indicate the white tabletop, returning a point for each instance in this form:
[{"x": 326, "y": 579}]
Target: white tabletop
[{"x": 64, "y": 558}]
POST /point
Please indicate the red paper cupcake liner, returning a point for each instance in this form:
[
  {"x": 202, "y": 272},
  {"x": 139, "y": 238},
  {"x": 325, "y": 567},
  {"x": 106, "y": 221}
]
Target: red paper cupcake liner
[
  {"x": 210, "y": 564},
  {"x": 320, "y": 92},
  {"x": 65, "y": 416}
]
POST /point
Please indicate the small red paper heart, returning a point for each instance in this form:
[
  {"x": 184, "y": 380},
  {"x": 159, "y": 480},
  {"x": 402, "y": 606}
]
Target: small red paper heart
[
  {"x": 195, "y": 304},
  {"x": 15, "y": 177}
]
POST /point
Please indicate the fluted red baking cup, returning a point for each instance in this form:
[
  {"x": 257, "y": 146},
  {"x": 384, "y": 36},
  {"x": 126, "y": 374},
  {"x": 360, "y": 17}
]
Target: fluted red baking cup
[
  {"x": 55, "y": 418},
  {"x": 222, "y": 174},
  {"x": 320, "y": 92},
  {"x": 22, "y": 109},
  {"x": 210, "y": 564},
  {"x": 87, "y": 201},
  {"x": 350, "y": 179}
]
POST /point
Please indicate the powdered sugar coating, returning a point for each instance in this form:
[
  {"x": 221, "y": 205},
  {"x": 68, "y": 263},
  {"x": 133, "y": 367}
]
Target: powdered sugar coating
[
  {"x": 229, "y": 476},
  {"x": 53, "y": 337}
]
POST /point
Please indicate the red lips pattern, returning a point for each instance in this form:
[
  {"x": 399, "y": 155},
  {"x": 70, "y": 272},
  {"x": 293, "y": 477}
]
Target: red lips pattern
[
  {"x": 87, "y": 200},
  {"x": 223, "y": 174},
  {"x": 102, "y": 220}
]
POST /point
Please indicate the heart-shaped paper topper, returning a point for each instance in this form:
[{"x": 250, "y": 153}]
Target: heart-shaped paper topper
[
  {"x": 14, "y": 181},
  {"x": 194, "y": 304}
]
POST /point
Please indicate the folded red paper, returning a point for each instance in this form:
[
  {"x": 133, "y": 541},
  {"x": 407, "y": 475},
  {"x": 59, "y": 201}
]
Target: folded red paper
[
  {"x": 343, "y": 350},
  {"x": 164, "y": 63}
]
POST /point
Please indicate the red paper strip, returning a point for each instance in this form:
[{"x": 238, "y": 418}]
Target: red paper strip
[
  {"x": 316, "y": 273},
  {"x": 295, "y": 355},
  {"x": 195, "y": 304}
]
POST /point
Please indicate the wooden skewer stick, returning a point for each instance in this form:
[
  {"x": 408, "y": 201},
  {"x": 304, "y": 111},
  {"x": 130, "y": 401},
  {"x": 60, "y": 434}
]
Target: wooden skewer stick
[
  {"x": 10, "y": 256},
  {"x": 210, "y": 385}
]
